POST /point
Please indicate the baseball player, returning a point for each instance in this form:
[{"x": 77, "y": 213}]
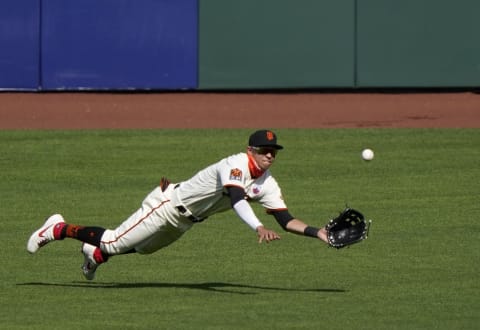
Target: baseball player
[{"x": 173, "y": 208}]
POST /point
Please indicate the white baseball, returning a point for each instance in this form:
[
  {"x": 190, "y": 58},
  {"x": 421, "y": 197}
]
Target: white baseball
[{"x": 367, "y": 154}]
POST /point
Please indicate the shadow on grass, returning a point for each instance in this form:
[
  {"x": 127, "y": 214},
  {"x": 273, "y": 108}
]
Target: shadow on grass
[{"x": 209, "y": 286}]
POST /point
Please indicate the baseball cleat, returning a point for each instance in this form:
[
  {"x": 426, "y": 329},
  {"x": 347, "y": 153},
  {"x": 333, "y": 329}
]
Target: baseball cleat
[
  {"x": 45, "y": 234},
  {"x": 89, "y": 266}
]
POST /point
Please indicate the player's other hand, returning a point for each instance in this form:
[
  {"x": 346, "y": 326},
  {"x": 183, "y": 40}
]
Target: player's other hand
[{"x": 266, "y": 235}]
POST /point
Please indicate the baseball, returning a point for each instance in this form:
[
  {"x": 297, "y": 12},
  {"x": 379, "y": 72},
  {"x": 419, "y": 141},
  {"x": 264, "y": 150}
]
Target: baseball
[{"x": 367, "y": 154}]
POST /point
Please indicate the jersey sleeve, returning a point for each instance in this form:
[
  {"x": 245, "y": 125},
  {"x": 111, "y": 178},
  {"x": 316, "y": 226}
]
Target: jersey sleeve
[
  {"x": 233, "y": 171},
  {"x": 271, "y": 197}
]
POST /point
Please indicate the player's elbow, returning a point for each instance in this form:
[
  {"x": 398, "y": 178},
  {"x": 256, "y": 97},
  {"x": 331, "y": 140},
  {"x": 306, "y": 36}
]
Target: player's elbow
[{"x": 283, "y": 217}]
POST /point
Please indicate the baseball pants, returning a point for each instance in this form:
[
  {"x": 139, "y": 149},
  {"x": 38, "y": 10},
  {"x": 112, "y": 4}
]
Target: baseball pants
[{"x": 155, "y": 225}]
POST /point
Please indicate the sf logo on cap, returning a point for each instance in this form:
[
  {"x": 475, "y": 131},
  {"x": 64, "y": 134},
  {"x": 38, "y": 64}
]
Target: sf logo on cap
[{"x": 270, "y": 135}]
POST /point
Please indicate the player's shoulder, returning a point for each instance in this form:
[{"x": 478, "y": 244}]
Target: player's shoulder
[
  {"x": 238, "y": 162},
  {"x": 239, "y": 159}
]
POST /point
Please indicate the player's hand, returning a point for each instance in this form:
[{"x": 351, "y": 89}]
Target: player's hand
[{"x": 266, "y": 235}]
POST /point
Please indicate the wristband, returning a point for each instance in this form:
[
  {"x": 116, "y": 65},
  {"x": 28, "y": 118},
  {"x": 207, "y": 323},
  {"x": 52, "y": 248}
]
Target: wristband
[{"x": 311, "y": 232}]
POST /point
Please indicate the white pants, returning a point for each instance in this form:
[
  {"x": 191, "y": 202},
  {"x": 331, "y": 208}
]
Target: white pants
[{"x": 156, "y": 224}]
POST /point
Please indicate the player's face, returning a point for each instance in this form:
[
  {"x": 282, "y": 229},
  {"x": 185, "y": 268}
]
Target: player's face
[{"x": 264, "y": 156}]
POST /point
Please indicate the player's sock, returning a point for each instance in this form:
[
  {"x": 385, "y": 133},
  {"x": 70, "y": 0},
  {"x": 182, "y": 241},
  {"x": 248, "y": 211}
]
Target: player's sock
[
  {"x": 100, "y": 256},
  {"x": 58, "y": 230},
  {"x": 90, "y": 235}
]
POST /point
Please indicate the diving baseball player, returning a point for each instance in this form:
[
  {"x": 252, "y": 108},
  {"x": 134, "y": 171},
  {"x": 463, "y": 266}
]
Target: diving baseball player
[{"x": 173, "y": 208}]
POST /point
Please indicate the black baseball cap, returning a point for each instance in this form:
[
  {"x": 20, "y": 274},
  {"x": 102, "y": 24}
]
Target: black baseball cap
[{"x": 264, "y": 138}]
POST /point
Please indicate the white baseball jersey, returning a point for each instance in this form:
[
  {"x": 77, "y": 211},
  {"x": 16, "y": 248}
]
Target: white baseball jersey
[{"x": 205, "y": 193}]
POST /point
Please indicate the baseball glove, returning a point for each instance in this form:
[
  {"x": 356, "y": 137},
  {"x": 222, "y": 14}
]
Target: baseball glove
[{"x": 347, "y": 228}]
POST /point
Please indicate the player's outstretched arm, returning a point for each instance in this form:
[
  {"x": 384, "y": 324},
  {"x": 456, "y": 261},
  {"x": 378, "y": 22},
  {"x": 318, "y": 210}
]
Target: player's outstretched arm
[{"x": 299, "y": 227}]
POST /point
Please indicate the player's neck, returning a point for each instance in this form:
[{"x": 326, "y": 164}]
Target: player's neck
[{"x": 255, "y": 170}]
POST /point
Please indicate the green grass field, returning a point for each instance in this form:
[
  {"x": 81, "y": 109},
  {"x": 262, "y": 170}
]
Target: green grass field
[{"x": 419, "y": 269}]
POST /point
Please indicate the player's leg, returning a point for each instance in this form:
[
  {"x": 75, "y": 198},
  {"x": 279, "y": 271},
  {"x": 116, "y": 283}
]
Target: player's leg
[
  {"x": 131, "y": 232},
  {"x": 156, "y": 224},
  {"x": 164, "y": 225},
  {"x": 163, "y": 238},
  {"x": 94, "y": 257},
  {"x": 55, "y": 228}
]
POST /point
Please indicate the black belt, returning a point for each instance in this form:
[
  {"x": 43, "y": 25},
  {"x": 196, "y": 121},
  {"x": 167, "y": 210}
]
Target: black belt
[{"x": 191, "y": 217}]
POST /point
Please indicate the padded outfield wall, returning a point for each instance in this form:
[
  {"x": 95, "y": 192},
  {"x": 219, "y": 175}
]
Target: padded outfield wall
[
  {"x": 98, "y": 44},
  {"x": 19, "y": 44},
  {"x": 226, "y": 44},
  {"x": 277, "y": 44}
]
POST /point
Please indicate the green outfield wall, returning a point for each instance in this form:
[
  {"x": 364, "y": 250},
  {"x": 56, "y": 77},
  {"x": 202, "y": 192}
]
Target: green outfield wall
[
  {"x": 418, "y": 43},
  {"x": 338, "y": 43},
  {"x": 276, "y": 43}
]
